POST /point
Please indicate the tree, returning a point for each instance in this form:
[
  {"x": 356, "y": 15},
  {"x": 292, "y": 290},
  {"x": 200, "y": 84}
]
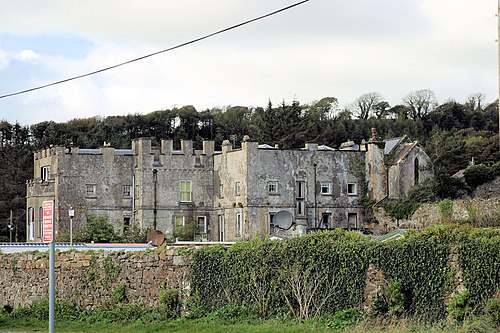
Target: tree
[
  {"x": 474, "y": 102},
  {"x": 363, "y": 105},
  {"x": 381, "y": 109},
  {"x": 420, "y": 103}
]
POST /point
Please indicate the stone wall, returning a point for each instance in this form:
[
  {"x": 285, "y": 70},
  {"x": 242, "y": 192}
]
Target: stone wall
[
  {"x": 90, "y": 278},
  {"x": 430, "y": 213}
]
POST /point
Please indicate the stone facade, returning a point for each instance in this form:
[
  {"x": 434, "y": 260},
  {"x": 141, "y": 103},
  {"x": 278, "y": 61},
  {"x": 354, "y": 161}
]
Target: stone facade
[
  {"x": 227, "y": 195},
  {"x": 315, "y": 186},
  {"x": 91, "y": 181},
  {"x": 394, "y": 167}
]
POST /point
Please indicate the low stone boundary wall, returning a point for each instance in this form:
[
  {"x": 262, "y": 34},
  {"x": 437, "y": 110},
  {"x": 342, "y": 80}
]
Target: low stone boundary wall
[{"x": 93, "y": 278}]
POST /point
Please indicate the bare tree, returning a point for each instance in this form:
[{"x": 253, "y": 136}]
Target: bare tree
[
  {"x": 308, "y": 291},
  {"x": 420, "y": 103},
  {"x": 364, "y": 104},
  {"x": 474, "y": 102}
]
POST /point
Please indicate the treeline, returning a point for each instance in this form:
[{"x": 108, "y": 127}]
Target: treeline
[{"x": 452, "y": 133}]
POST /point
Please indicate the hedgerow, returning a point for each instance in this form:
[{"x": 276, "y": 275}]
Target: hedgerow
[{"x": 326, "y": 272}]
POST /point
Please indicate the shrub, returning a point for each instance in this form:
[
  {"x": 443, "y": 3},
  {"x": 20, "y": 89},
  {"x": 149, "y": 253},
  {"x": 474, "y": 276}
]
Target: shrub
[
  {"x": 401, "y": 209},
  {"x": 120, "y": 293},
  {"x": 459, "y": 306},
  {"x": 231, "y": 313},
  {"x": 169, "y": 298},
  {"x": 99, "y": 230},
  {"x": 343, "y": 319},
  {"x": 476, "y": 175},
  {"x": 492, "y": 310},
  {"x": 396, "y": 299}
]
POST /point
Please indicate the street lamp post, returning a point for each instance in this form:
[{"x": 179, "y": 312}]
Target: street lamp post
[{"x": 71, "y": 213}]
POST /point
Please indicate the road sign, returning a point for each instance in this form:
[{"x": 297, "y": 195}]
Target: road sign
[{"x": 48, "y": 220}]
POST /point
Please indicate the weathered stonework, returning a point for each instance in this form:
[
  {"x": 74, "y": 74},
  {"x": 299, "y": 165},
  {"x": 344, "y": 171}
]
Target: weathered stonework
[
  {"x": 221, "y": 196},
  {"x": 430, "y": 213},
  {"x": 89, "y": 278}
]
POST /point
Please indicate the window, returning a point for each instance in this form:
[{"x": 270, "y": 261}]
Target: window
[
  {"x": 271, "y": 219},
  {"x": 237, "y": 188},
  {"x": 185, "y": 190},
  {"x": 325, "y": 221},
  {"x": 45, "y": 173},
  {"x": 326, "y": 188},
  {"x": 352, "y": 220},
  {"x": 300, "y": 195},
  {"x": 31, "y": 220},
  {"x": 352, "y": 189},
  {"x": 272, "y": 187},
  {"x": 179, "y": 224},
  {"x": 221, "y": 191},
  {"x": 301, "y": 189},
  {"x": 221, "y": 228},
  {"x": 127, "y": 191},
  {"x": 126, "y": 223},
  {"x": 90, "y": 190},
  {"x": 416, "y": 171},
  {"x": 239, "y": 225},
  {"x": 300, "y": 207},
  {"x": 201, "y": 226},
  {"x": 40, "y": 222}
]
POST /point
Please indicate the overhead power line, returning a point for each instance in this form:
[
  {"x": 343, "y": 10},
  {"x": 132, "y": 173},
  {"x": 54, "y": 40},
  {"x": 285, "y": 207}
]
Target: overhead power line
[{"x": 155, "y": 53}]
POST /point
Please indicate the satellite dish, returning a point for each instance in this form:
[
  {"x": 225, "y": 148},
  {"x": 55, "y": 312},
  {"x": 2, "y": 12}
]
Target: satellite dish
[
  {"x": 283, "y": 220},
  {"x": 156, "y": 238}
]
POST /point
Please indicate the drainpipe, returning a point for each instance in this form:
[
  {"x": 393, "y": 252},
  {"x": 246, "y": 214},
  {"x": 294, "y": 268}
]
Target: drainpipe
[
  {"x": 315, "y": 196},
  {"x": 155, "y": 181},
  {"x": 133, "y": 196}
]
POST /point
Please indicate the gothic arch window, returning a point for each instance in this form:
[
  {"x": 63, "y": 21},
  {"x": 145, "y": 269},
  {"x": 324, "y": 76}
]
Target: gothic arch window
[{"x": 416, "y": 171}]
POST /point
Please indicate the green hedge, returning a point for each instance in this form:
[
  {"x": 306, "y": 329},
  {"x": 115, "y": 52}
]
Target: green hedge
[
  {"x": 326, "y": 272},
  {"x": 260, "y": 274}
]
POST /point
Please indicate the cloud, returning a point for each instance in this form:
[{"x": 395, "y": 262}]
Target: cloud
[
  {"x": 28, "y": 54},
  {"x": 322, "y": 48}
]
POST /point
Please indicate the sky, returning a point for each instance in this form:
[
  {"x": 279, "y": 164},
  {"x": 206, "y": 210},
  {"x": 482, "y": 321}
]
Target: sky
[{"x": 322, "y": 48}]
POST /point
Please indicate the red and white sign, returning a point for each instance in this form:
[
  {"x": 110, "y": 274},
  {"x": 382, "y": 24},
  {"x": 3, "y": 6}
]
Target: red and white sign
[{"x": 48, "y": 220}]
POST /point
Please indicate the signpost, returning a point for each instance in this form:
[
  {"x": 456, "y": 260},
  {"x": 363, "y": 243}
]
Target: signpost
[
  {"x": 48, "y": 221},
  {"x": 49, "y": 237}
]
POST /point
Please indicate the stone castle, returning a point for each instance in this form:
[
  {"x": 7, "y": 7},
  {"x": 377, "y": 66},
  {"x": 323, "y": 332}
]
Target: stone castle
[{"x": 227, "y": 195}]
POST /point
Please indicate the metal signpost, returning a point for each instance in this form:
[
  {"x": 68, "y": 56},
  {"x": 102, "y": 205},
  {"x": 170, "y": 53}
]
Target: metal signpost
[{"x": 49, "y": 237}]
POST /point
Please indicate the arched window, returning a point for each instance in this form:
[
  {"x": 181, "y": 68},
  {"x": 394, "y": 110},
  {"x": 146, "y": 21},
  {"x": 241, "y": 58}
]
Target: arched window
[{"x": 416, "y": 171}]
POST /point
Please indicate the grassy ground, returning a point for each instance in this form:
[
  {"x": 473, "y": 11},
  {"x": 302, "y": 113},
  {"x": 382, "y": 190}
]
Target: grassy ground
[{"x": 253, "y": 326}]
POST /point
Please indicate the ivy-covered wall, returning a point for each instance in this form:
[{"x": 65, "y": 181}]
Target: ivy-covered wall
[
  {"x": 304, "y": 276},
  {"x": 326, "y": 272}
]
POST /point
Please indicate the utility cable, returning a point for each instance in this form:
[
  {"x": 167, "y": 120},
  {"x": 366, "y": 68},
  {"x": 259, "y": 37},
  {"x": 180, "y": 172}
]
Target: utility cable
[{"x": 158, "y": 52}]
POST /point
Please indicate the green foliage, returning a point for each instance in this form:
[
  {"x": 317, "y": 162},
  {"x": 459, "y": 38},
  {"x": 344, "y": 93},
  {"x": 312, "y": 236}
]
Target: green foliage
[
  {"x": 63, "y": 310},
  {"x": 260, "y": 274},
  {"x": 459, "y": 306},
  {"x": 492, "y": 310},
  {"x": 478, "y": 174},
  {"x": 120, "y": 293},
  {"x": 99, "y": 230},
  {"x": 399, "y": 210},
  {"x": 343, "y": 319},
  {"x": 111, "y": 270},
  {"x": 420, "y": 265},
  {"x": 134, "y": 234},
  {"x": 446, "y": 209},
  {"x": 231, "y": 313},
  {"x": 479, "y": 259},
  {"x": 169, "y": 298},
  {"x": 396, "y": 299}
]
